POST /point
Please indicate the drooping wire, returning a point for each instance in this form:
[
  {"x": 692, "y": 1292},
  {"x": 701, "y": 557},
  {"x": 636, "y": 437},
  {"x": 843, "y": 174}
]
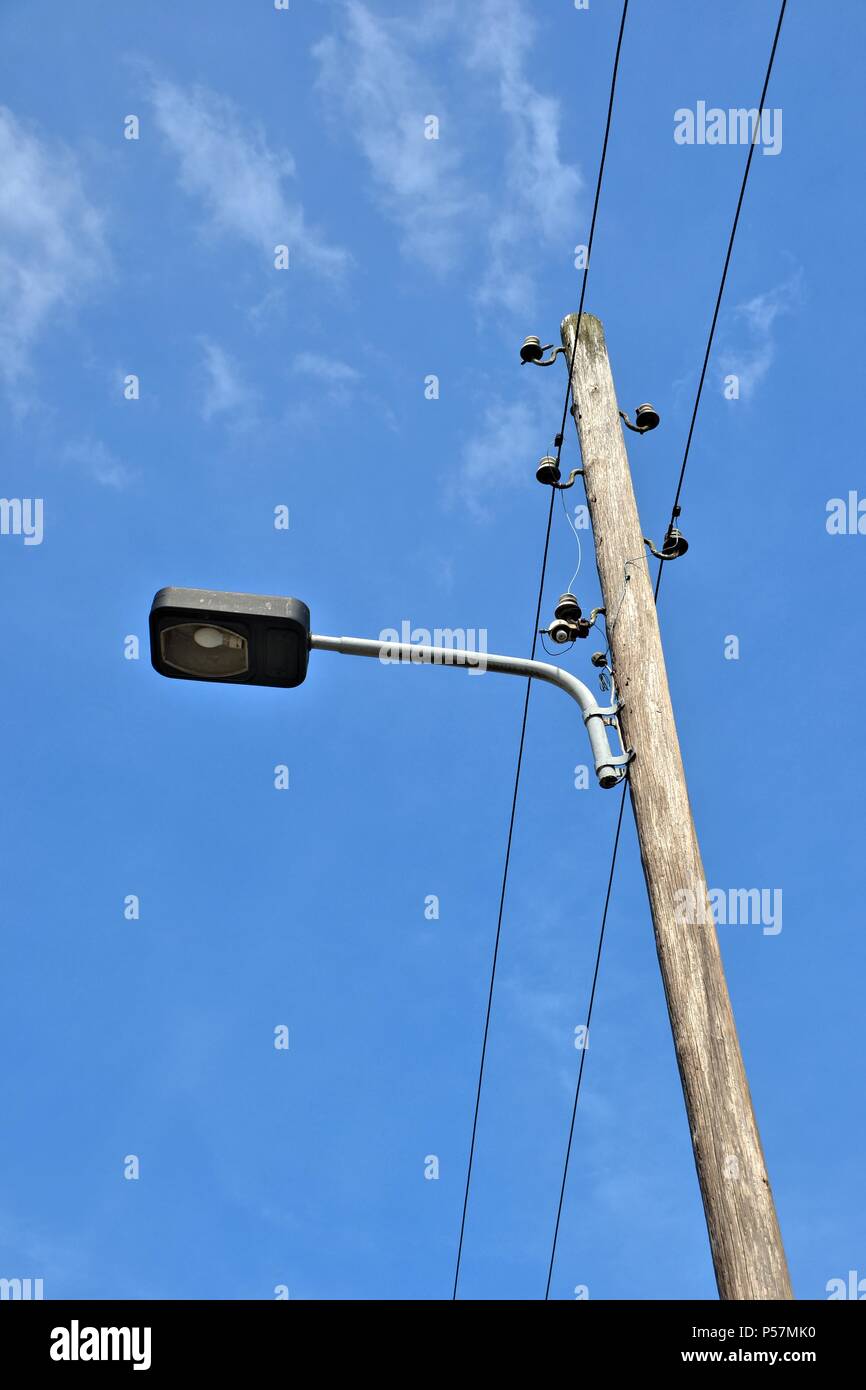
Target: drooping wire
[
  {"x": 534, "y": 644},
  {"x": 565, "y": 648},
  {"x": 502, "y": 898},
  {"x": 610, "y": 623},
  {"x": 609, "y": 626},
  {"x": 576, "y": 537}
]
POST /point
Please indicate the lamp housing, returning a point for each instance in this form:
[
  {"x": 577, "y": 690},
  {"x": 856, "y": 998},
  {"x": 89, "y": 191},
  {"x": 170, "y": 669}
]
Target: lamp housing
[{"x": 233, "y": 639}]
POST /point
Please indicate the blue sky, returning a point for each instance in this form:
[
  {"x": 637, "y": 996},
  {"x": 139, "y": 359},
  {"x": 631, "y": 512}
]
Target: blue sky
[{"x": 305, "y": 388}]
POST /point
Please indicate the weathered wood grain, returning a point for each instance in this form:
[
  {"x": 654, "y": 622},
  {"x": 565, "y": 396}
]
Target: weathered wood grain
[{"x": 746, "y": 1243}]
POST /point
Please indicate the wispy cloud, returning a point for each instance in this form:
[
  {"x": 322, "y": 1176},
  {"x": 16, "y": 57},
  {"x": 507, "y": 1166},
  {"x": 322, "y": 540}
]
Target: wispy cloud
[
  {"x": 242, "y": 182},
  {"x": 541, "y": 193},
  {"x": 52, "y": 241},
  {"x": 547, "y": 1012},
  {"x": 502, "y": 454},
  {"x": 225, "y": 392},
  {"x": 97, "y": 461},
  {"x": 752, "y": 359},
  {"x": 377, "y": 74},
  {"x": 339, "y": 378},
  {"x": 326, "y": 369},
  {"x": 324, "y": 380},
  {"x": 370, "y": 75}
]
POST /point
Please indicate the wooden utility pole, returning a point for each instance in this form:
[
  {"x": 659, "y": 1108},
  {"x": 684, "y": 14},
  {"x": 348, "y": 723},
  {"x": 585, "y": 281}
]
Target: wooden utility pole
[{"x": 746, "y": 1243}]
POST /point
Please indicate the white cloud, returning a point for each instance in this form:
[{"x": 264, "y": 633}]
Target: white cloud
[
  {"x": 377, "y": 73},
  {"x": 503, "y": 454},
  {"x": 339, "y": 384},
  {"x": 751, "y": 360},
  {"x": 98, "y": 462},
  {"x": 224, "y": 391},
  {"x": 385, "y": 96},
  {"x": 541, "y": 198},
  {"x": 241, "y": 181},
  {"x": 52, "y": 243},
  {"x": 327, "y": 369}
]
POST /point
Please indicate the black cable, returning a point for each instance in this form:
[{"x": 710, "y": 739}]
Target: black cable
[
  {"x": 502, "y": 895},
  {"x": 724, "y": 278},
  {"x": 592, "y": 228},
  {"x": 656, "y": 594},
  {"x": 526, "y": 706},
  {"x": 562, "y": 649},
  {"x": 584, "y": 1050},
  {"x": 534, "y": 644}
]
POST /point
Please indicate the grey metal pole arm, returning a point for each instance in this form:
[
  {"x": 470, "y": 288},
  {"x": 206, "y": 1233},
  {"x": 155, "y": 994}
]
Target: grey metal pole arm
[{"x": 610, "y": 767}]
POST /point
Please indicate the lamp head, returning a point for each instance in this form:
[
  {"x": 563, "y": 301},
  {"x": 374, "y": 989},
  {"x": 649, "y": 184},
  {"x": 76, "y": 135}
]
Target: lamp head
[{"x": 236, "y": 639}]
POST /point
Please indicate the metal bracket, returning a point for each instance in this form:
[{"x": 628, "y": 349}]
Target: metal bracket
[
  {"x": 573, "y": 475},
  {"x": 651, "y": 419},
  {"x": 609, "y": 716},
  {"x": 638, "y": 429},
  {"x": 608, "y": 710},
  {"x": 608, "y": 764},
  {"x": 621, "y": 760},
  {"x": 542, "y": 361}
]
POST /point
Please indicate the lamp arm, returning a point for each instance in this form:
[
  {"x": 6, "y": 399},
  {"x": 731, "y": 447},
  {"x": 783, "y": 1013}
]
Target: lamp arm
[{"x": 610, "y": 767}]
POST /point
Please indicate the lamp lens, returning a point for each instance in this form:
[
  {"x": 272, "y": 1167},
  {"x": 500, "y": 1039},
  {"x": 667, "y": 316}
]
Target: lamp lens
[{"x": 209, "y": 651}]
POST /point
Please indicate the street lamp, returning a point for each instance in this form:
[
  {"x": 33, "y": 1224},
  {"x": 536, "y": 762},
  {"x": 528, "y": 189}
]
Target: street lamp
[{"x": 247, "y": 639}]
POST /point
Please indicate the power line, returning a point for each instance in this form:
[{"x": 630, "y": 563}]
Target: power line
[
  {"x": 559, "y": 437},
  {"x": 585, "y": 1049},
  {"x": 674, "y": 514},
  {"x": 529, "y": 682},
  {"x": 502, "y": 897},
  {"x": 712, "y": 332}
]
